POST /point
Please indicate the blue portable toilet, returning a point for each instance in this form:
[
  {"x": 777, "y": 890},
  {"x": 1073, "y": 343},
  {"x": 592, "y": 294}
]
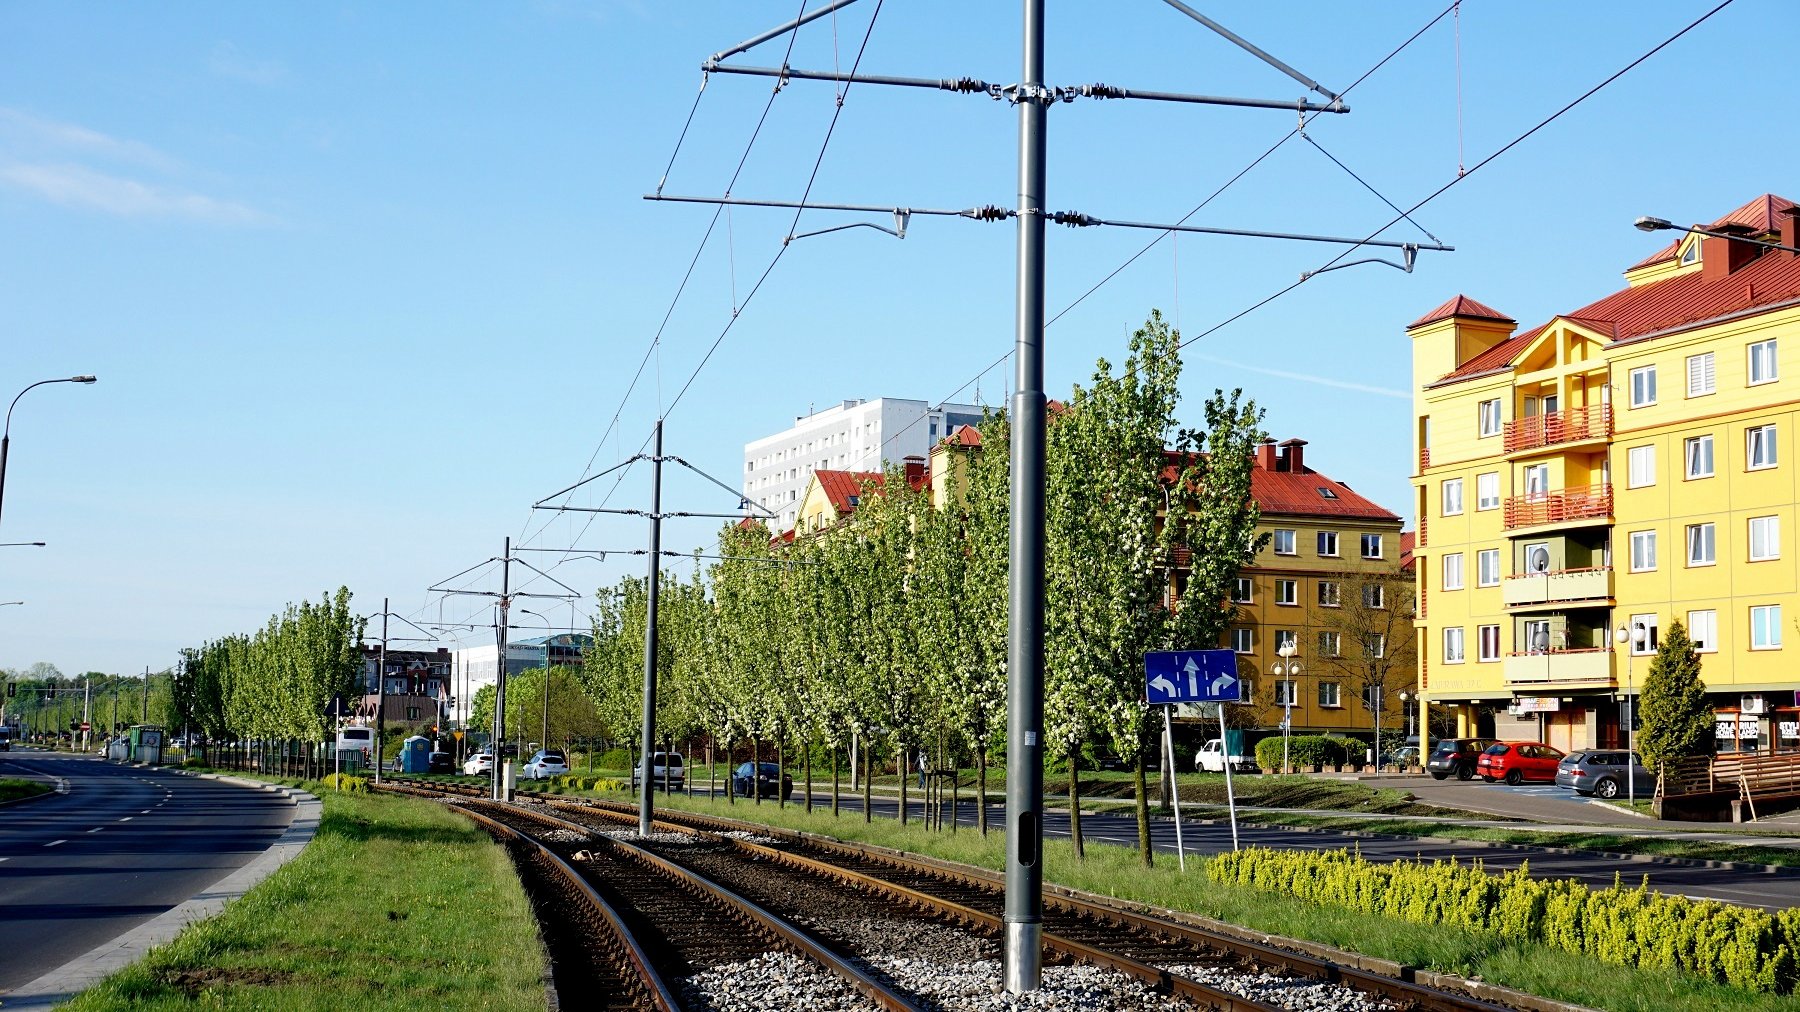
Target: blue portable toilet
[{"x": 415, "y": 755}]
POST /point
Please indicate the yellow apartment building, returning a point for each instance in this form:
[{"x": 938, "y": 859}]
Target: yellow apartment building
[{"x": 1627, "y": 464}]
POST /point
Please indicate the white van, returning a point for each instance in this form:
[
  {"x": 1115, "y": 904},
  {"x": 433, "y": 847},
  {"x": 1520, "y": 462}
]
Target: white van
[
  {"x": 1211, "y": 758},
  {"x": 356, "y": 739}
]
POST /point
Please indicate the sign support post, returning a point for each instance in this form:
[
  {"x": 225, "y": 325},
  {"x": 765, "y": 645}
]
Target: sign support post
[
  {"x": 1195, "y": 676},
  {"x": 1174, "y": 785},
  {"x": 1230, "y": 798}
]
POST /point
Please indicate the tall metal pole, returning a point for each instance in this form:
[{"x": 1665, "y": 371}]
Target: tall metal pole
[
  {"x": 500, "y": 674},
  {"x": 646, "y": 802},
  {"x": 146, "y": 719},
  {"x": 1023, "y": 954},
  {"x": 381, "y": 691}
]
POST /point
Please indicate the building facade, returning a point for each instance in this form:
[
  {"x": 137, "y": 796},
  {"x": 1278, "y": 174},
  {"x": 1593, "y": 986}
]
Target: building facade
[
  {"x": 477, "y": 666},
  {"x": 855, "y": 435},
  {"x": 1622, "y": 466}
]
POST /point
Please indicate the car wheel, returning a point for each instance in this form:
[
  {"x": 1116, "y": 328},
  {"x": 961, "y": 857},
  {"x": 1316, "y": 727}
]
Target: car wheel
[
  {"x": 1438, "y": 776},
  {"x": 1607, "y": 788},
  {"x": 1515, "y": 777},
  {"x": 1486, "y": 779},
  {"x": 1465, "y": 773}
]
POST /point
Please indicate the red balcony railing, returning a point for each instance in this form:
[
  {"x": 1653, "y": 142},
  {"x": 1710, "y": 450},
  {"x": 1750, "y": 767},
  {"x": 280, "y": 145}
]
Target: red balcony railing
[
  {"x": 1571, "y": 426},
  {"x": 1559, "y": 506},
  {"x": 1424, "y": 457}
]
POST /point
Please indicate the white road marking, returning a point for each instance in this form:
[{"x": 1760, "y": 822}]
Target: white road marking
[
  {"x": 126, "y": 819},
  {"x": 53, "y": 843},
  {"x": 96, "y": 829},
  {"x": 145, "y": 812}
]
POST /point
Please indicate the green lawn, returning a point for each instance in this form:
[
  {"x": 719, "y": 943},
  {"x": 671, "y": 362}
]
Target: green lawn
[
  {"x": 14, "y": 788},
  {"x": 397, "y": 904}
]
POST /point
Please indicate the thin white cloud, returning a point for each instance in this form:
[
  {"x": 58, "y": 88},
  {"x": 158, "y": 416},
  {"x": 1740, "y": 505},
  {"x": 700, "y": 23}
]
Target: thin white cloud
[
  {"x": 22, "y": 132},
  {"x": 82, "y": 187},
  {"x": 230, "y": 61},
  {"x": 1324, "y": 381}
]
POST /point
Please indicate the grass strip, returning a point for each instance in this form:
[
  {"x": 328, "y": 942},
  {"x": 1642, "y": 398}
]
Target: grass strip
[
  {"x": 1114, "y": 871},
  {"x": 15, "y": 788},
  {"x": 397, "y": 904}
]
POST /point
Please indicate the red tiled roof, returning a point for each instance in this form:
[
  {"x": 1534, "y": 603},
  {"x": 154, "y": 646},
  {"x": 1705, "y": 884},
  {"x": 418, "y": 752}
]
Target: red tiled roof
[
  {"x": 840, "y": 486},
  {"x": 1760, "y": 215},
  {"x": 1297, "y": 493},
  {"x": 963, "y": 435},
  {"x": 1633, "y": 313},
  {"x": 1408, "y": 541},
  {"x": 1461, "y": 305}
]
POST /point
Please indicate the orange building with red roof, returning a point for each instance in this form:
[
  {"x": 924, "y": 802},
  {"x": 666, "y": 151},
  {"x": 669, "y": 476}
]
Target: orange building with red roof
[{"x": 1625, "y": 464}]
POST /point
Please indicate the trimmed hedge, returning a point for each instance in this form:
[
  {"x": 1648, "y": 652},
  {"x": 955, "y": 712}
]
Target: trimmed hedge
[
  {"x": 346, "y": 782},
  {"x": 1739, "y": 946},
  {"x": 1306, "y": 750}
]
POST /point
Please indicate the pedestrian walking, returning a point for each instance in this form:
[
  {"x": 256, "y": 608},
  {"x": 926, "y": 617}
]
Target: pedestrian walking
[{"x": 923, "y": 760}]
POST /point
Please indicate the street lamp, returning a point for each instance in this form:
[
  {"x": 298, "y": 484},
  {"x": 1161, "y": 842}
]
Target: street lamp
[
  {"x": 5, "y": 603},
  {"x": 1649, "y": 224},
  {"x": 544, "y": 730},
  {"x": 1288, "y": 668},
  {"x": 1638, "y": 636},
  {"x": 6, "y": 434},
  {"x": 21, "y": 544}
]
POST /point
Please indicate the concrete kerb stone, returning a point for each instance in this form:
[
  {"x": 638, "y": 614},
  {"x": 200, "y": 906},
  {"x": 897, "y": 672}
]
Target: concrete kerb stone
[{"x": 84, "y": 971}]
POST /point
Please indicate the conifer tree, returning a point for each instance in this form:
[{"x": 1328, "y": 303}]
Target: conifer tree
[{"x": 1677, "y": 719}]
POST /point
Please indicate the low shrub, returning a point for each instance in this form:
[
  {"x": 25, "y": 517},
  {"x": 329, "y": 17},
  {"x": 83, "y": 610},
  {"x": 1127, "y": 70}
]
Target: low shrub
[
  {"x": 346, "y": 782},
  {"x": 1304, "y": 750},
  {"x": 1634, "y": 927},
  {"x": 615, "y": 759}
]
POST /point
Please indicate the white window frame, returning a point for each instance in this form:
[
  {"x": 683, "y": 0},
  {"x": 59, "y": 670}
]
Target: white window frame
[
  {"x": 1648, "y": 538},
  {"x": 1243, "y": 590},
  {"x": 1650, "y": 622},
  {"x": 1643, "y": 386},
  {"x": 1487, "y": 644},
  {"x": 1453, "y": 644},
  {"x": 1450, "y": 497},
  {"x": 1293, "y": 542},
  {"x": 1331, "y": 594},
  {"x": 1452, "y": 568},
  {"x": 1693, "y": 448},
  {"x": 1331, "y": 643},
  {"x": 1487, "y": 491},
  {"x": 1287, "y": 692},
  {"x": 1367, "y": 540},
  {"x": 1487, "y": 567},
  {"x": 1333, "y": 700},
  {"x": 1286, "y": 637},
  {"x": 1542, "y": 491},
  {"x": 1640, "y": 466},
  {"x": 1374, "y": 595},
  {"x": 1703, "y": 627},
  {"x": 1243, "y": 640},
  {"x": 1771, "y": 631},
  {"x": 1287, "y": 593},
  {"x": 1702, "y": 545},
  {"x": 1489, "y": 412},
  {"x": 1380, "y": 645},
  {"x": 1327, "y": 543},
  {"x": 1767, "y": 443},
  {"x": 1702, "y": 375},
  {"x": 1771, "y": 532},
  {"x": 1768, "y": 361}
]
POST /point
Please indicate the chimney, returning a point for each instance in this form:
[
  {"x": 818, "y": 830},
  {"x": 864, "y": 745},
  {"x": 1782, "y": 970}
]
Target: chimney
[
  {"x": 1720, "y": 258},
  {"x": 1293, "y": 455},
  {"x": 915, "y": 470},
  {"x": 1265, "y": 455},
  {"x": 1790, "y": 228}
]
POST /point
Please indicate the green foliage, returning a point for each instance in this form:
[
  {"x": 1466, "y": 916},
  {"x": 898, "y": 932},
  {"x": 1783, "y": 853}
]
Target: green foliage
[
  {"x": 1633, "y": 927},
  {"x": 1677, "y": 719},
  {"x": 1306, "y": 750},
  {"x": 346, "y": 782}
]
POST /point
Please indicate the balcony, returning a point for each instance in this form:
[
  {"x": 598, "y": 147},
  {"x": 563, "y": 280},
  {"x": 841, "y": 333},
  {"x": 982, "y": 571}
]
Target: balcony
[
  {"x": 1565, "y": 505},
  {"x": 1559, "y": 587},
  {"x": 1585, "y": 667},
  {"x": 1576, "y": 425},
  {"x": 1424, "y": 457}
]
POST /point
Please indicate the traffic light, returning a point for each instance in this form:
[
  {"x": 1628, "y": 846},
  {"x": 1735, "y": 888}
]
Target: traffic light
[
  {"x": 52, "y": 692},
  {"x": 12, "y": 689},
  {"x": 74, "y": 725}
]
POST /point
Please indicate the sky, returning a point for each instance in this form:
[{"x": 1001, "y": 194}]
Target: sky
[{"x": 362, "y": 282}]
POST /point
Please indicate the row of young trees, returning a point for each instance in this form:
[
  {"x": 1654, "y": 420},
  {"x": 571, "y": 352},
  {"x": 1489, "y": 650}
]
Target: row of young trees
[
  {"x": 890, "y": 628},
  {"x": 46, "y": 702}
]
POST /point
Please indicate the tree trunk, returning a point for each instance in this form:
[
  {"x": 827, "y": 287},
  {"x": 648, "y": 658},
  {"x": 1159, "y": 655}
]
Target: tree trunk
[
  {"x": 730, "y": 778},
  {"x": 756, "y": 768},
  {"x": 780, "y": 770},
  {"x": 1143, "y": 807},
  {"x": 834, "y": 781},
  {"x": 1074, "y": 801},
  {"x": 981, "y": 813},
  {"x": 900, "y": 767},
  {"x": 807, "y": 760},
  {"x": 955, "y": 794},
  {"x": 868, "y": 771}
]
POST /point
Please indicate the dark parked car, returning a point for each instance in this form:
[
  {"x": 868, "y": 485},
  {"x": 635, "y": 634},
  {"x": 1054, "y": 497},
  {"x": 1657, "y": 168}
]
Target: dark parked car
[
  {"x": 1601, "y": 772},
  {"x": 1518, "y": 761},
  {"x": 764, "y": 779},
  {"x": 440, "y": 762},
  {"x": 1458, "y": 756}
]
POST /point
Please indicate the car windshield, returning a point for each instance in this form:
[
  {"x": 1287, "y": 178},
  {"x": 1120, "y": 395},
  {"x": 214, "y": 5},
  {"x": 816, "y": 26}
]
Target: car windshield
[
  {"x": 553, "y": 757},
  {"x": 1498, "y": 748},
  {"x": 670, "y": 760},
  {"x": 769, "y": 770},
  {"x": 1446, "y": 746},
  {"x": 1574, "y": 757}
]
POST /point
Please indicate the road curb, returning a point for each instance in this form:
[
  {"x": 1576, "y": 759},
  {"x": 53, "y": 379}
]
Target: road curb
[{"x": 84, "y": 971}]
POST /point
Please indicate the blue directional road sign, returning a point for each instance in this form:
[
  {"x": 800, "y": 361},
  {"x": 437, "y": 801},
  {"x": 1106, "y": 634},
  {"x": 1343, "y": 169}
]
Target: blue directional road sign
[{"x": 1192, "y": 676}]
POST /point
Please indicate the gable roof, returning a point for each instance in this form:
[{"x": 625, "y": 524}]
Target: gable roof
[
  {"x": 844, "y": 488},
  {"x": 1461, "y": 305},
  {"x": 1762, "y": 214},
  {"x": 1296, "y": 493}
]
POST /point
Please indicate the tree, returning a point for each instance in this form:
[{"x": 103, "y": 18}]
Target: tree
[
  {"x": 1372, "y": 643},
  {"x": 481, "y": 709},
  {"x": 1677, "y": 719}
]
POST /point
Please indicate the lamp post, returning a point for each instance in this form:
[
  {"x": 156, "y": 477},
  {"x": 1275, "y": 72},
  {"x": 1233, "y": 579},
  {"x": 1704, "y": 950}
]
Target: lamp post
[
  {"x": 1649, "y": 224},
  {"x": 544, "y": 729},
  {"x": 6, "y": 434},
  {"x": 1637, "y": 635},
  {"x": 1287, "y": 668},
  {"x": 21, "y": 544}
]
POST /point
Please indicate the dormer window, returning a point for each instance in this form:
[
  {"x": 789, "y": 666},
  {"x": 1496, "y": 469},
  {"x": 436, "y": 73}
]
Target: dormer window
[
  {"x": 1691, "y": 255},
  {"x": 1326, "y": 493}
]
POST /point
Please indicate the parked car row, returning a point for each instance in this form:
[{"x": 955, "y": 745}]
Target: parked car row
[{"x": 1605, "y": 773}]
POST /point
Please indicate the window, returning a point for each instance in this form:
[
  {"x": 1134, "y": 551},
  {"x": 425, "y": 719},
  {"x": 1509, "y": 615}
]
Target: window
[
  {"x": 1537, "y": 481},
  {"x": 1453, "y": 575},
  {"x": 1286, "y": 638},
  {"x": 1641, "y": 466},
  {"x": 1287, "y": 591},
  {"x": 1284, "y": 543},
  {"x": 1762, "y": 363},
  {"x": 1765, "y": 627},
  {"x": 1649, "y": 622},
  {"x": 1699, "y": 456},
  {"x": 1374, "y": 596},
  {"x": 412, "y": 713},
  {"x": 1487, "y": 567},
  {"x": 1701, "y": 380},
  {"x": 1453, "y": 645},
  {"x": 1452, "y": 497},
  {"x": 1240, "y": 590},
  {"x": 1329, "y": 644},
  {"x": 1374, "y": 645},
  {"x": 1765, "y": 538},
  {"x": 1487, "y": 491},
  {"x": 1700, "y": 544},
  {"x": 1643, "y": 386},
  {"x": 1371, "y": 546},
  {"x": 1287, "y": 692},
  {"x": 1691, "y": 255},
  {"x": 1241, "y": 640},
  {"x": 1537, "y": 635},
  {"x": 1759, "y": 447},
  {"x": 1328, "y": 694},
  {"x": 1703, "y": 628},
  {"x": 1328, "y": 544},
  {"x": 1490, "y": 417},
  {"x": 1325, "y": 493},
  {"x": 1487, "y": 642},
  {"x": 1643, "y": 551},
  {"x": 1328, "y": 594}
]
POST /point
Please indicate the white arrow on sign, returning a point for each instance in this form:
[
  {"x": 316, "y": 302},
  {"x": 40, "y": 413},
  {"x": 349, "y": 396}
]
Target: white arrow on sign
[
  {"x": 1193, "y": 674},
  {"x": 1163, "y": 685},
  {"x": 1222, "y": 684}
]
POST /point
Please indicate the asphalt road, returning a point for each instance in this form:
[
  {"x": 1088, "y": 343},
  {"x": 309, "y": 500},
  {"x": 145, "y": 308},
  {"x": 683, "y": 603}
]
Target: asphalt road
[
  {"x": 1746, "y": 888},
  {"x": 121, "y": 846}
]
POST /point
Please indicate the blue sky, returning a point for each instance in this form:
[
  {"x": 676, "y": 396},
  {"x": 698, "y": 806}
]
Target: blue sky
[{"x": 362, "y": 281}]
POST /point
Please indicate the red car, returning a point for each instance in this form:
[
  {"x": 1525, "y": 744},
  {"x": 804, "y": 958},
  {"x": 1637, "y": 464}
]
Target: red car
[{"x": 1518, "y": 761}]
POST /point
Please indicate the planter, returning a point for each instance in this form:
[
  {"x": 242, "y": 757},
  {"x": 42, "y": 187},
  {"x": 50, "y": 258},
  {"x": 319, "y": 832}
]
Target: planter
[
  {"x": 1267, "y": 771},
  {"x": 1314, "y": 768}
]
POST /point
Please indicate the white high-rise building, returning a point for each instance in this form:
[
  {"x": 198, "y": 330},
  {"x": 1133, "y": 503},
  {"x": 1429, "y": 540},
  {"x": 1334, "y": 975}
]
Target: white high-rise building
[{"x": 856, "y": 435}]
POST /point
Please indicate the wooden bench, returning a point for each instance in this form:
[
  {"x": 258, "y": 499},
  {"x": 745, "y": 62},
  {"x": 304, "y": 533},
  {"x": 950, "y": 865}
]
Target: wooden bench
[{"x": 1727, "y": 787}]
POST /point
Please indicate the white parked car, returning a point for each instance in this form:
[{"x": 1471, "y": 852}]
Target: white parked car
[
  {"x": 479, "y": 764},
  {"x": 663, "y": 766},
  {"x": 1211, "y": 758},
  {"x": 546, "y": 763}
]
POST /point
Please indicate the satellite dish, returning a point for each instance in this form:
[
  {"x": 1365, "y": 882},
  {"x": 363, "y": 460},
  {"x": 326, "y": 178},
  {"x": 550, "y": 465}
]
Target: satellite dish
[
  {"x": 1539, "y": 560},
  {"x": 1541, "y": 641}
]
